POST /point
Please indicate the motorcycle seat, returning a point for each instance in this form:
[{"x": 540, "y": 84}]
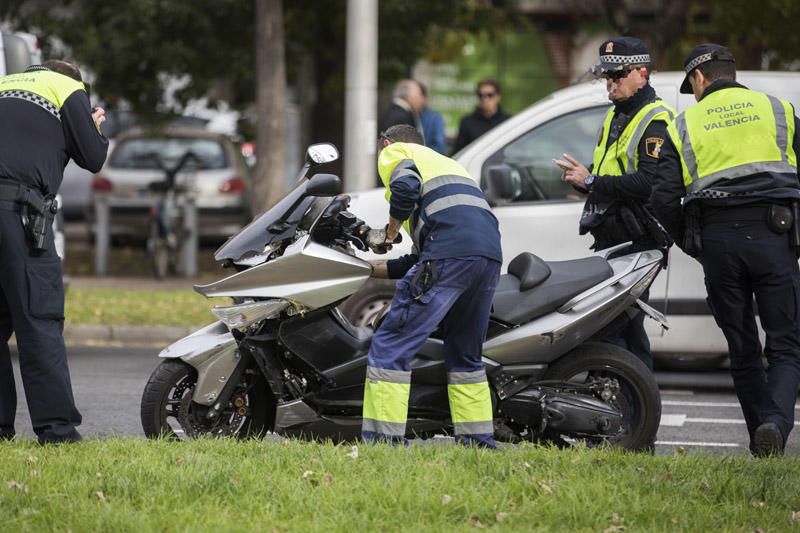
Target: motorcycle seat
[{"x": 526, "y": 292}]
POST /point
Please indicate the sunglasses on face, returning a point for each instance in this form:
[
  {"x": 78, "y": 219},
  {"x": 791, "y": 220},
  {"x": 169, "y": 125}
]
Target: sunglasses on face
[
  {"x": 486, "y": 95},
  {"x": 616, "y": 75}
]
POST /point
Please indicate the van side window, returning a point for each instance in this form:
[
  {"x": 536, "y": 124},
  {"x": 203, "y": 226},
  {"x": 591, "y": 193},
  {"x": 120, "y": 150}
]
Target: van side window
[{"x": 530, "y": 156}]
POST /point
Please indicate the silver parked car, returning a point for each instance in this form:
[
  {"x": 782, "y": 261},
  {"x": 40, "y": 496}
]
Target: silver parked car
[{"x": 217, "y": 182}]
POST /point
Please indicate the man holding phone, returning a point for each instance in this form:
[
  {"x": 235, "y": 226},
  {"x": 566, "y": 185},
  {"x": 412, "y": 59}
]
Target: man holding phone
[{"x": 624, "y": 167}]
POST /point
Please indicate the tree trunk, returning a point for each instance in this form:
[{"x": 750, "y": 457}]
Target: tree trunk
[{"x": 270, "y": 174}]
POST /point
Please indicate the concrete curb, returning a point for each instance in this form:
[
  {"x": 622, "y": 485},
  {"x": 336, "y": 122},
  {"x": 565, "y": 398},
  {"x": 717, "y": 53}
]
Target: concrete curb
[{"x": 99, "y": 333}]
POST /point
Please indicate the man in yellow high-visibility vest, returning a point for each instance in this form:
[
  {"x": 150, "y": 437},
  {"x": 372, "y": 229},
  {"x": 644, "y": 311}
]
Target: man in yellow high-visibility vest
[
  {"x": 736, "y": 170},
  {"x": 449, "y": 279}
]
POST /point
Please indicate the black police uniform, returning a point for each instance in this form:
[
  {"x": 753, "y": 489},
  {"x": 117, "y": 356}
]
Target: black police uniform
[
  {"x": 633, "y": 189},
  {"x": 39, "y": 133},
  {"x": 742, "y": 257}
]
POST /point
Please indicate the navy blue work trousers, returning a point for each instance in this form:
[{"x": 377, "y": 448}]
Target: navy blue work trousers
[
  {"x": 742, "y": 260},
  {"x": 459, "y": 297},
  {"x": 32, "y": 307}
]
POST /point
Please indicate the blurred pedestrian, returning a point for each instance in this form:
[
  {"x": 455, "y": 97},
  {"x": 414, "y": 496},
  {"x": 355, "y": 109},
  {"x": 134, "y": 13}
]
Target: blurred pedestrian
[
  {"x": 45, "y": 119},
  {"x": 432, "y": 126},
  {"x": 407, "y": 103},
  {"x": 486, "y": 116},
  {"x": 624, "y": 168},
  {"x": 729, "y": 194}
]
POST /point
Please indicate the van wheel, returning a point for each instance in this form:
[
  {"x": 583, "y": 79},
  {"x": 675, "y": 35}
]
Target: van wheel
[{"x": 363, "y": 306}]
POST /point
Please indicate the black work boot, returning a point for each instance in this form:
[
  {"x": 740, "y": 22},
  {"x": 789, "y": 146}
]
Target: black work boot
[{"x": 767, "y": 440}]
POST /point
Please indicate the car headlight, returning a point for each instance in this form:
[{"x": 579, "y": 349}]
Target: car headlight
[{"x": 242, "y": 315}]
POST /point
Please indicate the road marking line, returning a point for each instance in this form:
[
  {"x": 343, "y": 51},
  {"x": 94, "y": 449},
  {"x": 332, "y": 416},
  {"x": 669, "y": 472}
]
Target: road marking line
[
  {"x": 719, "y": 421},
  {"x": 705, "y": 404},
  {"x": 678, "y": 392},
  {"x": 707, "y": 444},
  {"x": 673, "y": 420}
]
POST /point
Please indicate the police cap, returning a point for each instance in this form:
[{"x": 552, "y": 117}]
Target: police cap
[
  {"x": 702, "y": 53},
  {"x": 617, "y": 53}
]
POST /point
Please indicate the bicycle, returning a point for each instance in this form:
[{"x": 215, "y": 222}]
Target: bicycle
[{"x": 166, "y": 228}]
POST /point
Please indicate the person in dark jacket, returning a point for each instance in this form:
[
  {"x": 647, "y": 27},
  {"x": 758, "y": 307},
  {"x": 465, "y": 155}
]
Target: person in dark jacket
[
  {"x": 729, "y": 194},
  {"x": 408, "y": 100},
  {"x": 624, "y": 168},
  {"x": 45, "y": 119},
  {"x": 486, "y": 116}
]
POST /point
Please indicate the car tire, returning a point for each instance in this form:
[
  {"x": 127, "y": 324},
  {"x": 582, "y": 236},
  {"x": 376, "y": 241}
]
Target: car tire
[{"x": 365, "y": 304}]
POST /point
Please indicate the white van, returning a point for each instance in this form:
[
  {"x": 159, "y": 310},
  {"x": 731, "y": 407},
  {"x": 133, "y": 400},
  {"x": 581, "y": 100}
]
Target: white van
[{"x": 543, "y": 216}]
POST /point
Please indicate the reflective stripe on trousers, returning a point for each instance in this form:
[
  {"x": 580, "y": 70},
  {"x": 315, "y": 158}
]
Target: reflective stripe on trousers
[
  {"x": 470, "y": 402},
  {"x": 386, "y": 401}
]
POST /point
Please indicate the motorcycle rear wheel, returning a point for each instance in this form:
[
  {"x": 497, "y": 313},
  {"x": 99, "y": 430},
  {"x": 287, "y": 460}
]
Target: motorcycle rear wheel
[
  {"x": 167, "y": 409},
  {"x": 639, "y": 398}
]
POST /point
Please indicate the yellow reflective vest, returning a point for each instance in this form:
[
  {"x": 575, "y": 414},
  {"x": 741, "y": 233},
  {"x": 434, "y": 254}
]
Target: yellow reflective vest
[
  {"x": 49, "y": 90},
  {"x": 732, "y": 133},
  {"x": 622, "y": 156},
  {"x": 434, "y": 171}
]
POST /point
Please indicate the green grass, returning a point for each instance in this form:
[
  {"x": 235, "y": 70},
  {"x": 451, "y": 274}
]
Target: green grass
[
  {"x": 223, "y": 485},
  {"x": 120, "y": 306}
]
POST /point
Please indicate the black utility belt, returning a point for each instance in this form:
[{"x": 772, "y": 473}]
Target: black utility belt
[
  {"x": 739, "y": 213},
  {"x": 38, "y": 212}
]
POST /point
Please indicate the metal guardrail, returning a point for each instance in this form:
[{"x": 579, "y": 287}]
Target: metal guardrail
[{"x": 103, "y": 206}]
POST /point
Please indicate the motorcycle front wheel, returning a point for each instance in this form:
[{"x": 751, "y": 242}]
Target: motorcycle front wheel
[
  {"x": 168, "y": 410},
  {"x": 638, "y": 398}
]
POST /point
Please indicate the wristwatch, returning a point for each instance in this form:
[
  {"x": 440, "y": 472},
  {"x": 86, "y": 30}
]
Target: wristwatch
[{"x": 588, "y": 181}]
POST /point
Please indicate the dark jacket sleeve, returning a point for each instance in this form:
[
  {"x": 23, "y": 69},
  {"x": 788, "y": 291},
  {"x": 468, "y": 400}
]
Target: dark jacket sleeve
[
  {"x": 84, "y": 143},
  {"x": 405, "y": 193},
  {"x": 637, "y": 185},
  {"x": 668, "y": 190},
  {"x": 796, "y": 141},
  {"x": 462, "y": 139},
  {"x": 397, "y": 268}
]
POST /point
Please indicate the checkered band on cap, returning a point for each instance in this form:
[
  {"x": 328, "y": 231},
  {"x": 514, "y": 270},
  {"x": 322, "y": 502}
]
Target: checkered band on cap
[
  {"x": 626, "y": 60},
  {"x": 42, "y": 102},
  {"x": 698, "y": 60}
]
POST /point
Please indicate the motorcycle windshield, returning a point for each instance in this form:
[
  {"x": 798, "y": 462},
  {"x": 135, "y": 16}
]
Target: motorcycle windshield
[{"x": 277, "y": 223}]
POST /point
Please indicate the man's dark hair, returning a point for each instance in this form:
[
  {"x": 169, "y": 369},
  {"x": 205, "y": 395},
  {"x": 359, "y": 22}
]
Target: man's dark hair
[
  {"x": 718, "y": 70},
  {"x": 64, "y": 67},
  {"x": 403, "y": 133},
  {"x": 489, "y": 81}
]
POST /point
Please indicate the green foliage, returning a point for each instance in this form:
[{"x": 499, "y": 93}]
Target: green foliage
[
  {"x": 132, "y": 44},
  {"x": 281, "y": 485}
]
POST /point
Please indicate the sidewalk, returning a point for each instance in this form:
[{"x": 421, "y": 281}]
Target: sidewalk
[{"x": 124, "y": 335}]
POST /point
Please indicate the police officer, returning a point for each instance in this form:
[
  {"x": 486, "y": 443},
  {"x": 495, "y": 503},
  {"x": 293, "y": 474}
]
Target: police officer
[
  {"x": 625, "y": 161},
  {"x": 45, "y": 119},
  {"x": 736, "y": 168},
  {"x": 450, "y": 279}
]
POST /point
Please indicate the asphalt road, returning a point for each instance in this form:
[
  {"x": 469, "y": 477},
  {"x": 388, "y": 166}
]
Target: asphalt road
[{"x": 700, "y": 411}]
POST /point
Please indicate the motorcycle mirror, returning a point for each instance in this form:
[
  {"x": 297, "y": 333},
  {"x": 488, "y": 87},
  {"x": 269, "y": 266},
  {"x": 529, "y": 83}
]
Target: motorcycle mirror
[
  {"x": 324, "y": 185},
  {"x": 321, "y": 153}
]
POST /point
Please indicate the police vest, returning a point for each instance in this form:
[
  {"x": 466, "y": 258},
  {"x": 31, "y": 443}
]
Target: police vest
[
  {"x": 732, "y": 133},
  {"x": 622, "y": 156},
  {"x": 451, "y": 181},
  {"x": 47, "y": 89}
]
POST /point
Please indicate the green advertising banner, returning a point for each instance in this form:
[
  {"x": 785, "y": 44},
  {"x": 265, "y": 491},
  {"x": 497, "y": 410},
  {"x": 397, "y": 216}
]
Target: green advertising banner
[{"x": 516, "y": 59}]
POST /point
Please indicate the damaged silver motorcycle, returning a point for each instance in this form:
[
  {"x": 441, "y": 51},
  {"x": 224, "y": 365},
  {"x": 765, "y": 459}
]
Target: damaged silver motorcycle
[{"x": 284, "y": 359}]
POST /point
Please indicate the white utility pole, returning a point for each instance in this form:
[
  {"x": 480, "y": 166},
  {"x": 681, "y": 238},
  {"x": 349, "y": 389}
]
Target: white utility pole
[{"x": 361, "y": 95}]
